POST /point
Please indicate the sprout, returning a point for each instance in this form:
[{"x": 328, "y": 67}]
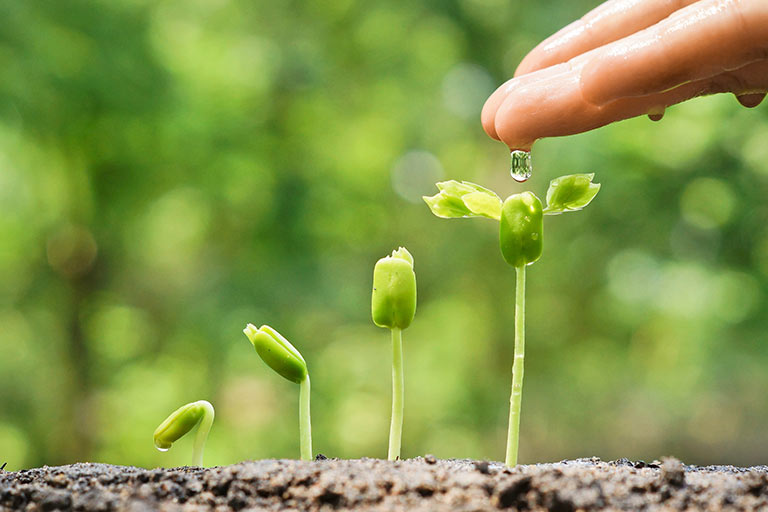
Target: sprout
[
  {"x": 181, "y": 421},
  {"x": 393, "y": 305},
  {"x": 284, "y": 359},
  {"x": 520, "y": 239}
]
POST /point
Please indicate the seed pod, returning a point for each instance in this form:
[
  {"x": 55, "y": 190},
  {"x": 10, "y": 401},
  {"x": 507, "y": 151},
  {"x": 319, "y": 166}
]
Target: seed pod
[
  {"x": 393, "y": 301},
  {"x": 520, "y": 232},
  {"x": 180, "y": 421},
  {"x": 277, "y": 352}
]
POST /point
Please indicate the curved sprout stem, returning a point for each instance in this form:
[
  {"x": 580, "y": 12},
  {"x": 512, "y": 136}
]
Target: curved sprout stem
[
  {"x": 396, "y": 425},
  {"x": 515, "y": 400},
  {"x": 203, "y": 428},
  {"x": 305, "y": 424}
]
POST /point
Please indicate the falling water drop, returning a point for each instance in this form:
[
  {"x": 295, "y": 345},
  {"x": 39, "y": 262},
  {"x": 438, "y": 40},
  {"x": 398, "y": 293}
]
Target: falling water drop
[{"x": 521, "y": 165}]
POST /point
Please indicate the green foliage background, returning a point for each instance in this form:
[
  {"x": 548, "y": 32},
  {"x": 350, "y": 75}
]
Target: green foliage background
[{"x": 172, "y": 170}]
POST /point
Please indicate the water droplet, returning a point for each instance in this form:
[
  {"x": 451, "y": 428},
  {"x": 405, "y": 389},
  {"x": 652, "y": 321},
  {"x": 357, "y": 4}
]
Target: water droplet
[
  {"x": 656, "y": 113},
  {"x": 521, "y": 165},
  {"x": 161, "y": 449},
  {"x": 534, "y": 236}
]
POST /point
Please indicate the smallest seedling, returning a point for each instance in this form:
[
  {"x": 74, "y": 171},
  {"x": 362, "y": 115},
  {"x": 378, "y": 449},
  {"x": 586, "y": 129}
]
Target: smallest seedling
[{"x": 181, "y": 421}]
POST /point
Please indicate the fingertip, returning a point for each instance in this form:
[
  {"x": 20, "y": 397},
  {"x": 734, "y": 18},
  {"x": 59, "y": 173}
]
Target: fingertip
[
  {"x": 529, "y": 64},
  {"x": 487, "y": 118},
  {"x": 750, "y": 100},
  {"x": 509, "y": 126},
  {"x": 490, "y": 110}
]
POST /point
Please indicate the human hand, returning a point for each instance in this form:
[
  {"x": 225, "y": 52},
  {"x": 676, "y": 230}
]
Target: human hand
[{"x": 628, "y": 58}]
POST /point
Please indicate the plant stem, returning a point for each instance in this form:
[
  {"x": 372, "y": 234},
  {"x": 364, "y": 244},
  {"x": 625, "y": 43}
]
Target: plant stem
[
  {"x": 203, "y": 428},
  {"x": 515, "y": 400},
  {"x": 305, "y": 424},
  {"x": 396, "y": 426}
]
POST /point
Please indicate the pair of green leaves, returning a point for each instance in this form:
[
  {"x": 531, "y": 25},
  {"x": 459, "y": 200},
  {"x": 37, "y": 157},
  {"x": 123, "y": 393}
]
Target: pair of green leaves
[
  {"x": 277, "y": 352},
  {"x": 520, "y": 216},
  {"x": 181, "y": 421},
  {"x": 464, "y": 199},
  {"x": 393, "y": 301}
]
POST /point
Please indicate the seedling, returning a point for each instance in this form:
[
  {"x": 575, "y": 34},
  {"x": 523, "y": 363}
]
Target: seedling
[
  {"x": 284, "y": 359},
  {"x": 393, "y": 305},
  {"x": 181, "y": 421},
  {"x": 520, "y": 238}
]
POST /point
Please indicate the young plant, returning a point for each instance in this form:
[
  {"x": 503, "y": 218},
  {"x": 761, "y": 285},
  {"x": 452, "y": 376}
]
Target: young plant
[
  {"x": 284, "y": 359},
  {"x": 181, "y": 421},
  {"x": 393, "y": 305},
  {"x": 520, "y": 219}
]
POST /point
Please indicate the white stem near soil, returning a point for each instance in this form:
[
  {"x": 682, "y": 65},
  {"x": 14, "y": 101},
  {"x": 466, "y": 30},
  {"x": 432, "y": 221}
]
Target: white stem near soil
[
  {"x": 515, "y": 400},
  {"x": 203, "y": 428},
  {"x": 305, "y": 424},
  {"x": 398, "y": 384}
]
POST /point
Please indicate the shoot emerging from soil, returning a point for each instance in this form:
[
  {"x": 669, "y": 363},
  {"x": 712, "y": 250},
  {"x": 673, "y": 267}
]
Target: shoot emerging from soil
[
  {"x": 284, "y": 359},
  {"x": 520, "y": 239},
  {"x": 393, "y": 305},
  {"x": 181, "y": 421}
]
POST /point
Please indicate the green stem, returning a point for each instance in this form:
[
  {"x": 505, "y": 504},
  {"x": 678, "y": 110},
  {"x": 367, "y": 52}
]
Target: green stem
[
  {"x": 396, "y": 426},
  {"x": 515, "y": 400},
  {"x": 305, "y": 424},
  {"x": 203, "y": 428}
]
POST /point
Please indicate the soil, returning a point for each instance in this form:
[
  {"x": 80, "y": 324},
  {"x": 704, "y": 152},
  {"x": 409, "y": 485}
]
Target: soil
[{"x": 421, "y": 484}]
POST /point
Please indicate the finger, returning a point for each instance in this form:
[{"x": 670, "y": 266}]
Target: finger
[
  {"x": 609, "y": 22},
  {"x": 699, "y": 41},
  {"x": 556, "y": 106},
  {"x": 494, "y": 101}
]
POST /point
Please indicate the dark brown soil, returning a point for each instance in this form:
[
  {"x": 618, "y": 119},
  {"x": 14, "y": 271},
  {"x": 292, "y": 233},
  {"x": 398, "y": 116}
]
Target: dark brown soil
[{"x": 423, "y": 484}]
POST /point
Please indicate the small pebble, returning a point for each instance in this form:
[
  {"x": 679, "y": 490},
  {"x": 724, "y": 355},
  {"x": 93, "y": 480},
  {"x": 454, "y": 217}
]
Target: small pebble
[{"x": 482, "y": 466}]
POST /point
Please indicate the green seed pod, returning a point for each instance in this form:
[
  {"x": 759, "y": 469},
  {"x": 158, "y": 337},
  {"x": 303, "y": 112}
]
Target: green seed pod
[
  {"x": 181, "y": 421},
  {"x": 393, "y": 302},
  {"x": 277, "y": 352},
  {"x": 520, "y": 232}
]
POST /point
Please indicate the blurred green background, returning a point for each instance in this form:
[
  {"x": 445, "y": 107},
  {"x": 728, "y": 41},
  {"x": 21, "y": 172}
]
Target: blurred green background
[{"x": 172, "y": 170}]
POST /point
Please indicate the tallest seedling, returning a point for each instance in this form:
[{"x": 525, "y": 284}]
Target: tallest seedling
[
  {"x": 393, "y": 305},
  {"x": 520, "y": 238}
]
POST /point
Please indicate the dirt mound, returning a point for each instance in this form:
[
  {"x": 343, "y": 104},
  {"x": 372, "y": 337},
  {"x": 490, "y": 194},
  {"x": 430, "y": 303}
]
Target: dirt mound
[{"x": 423, "y": 483}]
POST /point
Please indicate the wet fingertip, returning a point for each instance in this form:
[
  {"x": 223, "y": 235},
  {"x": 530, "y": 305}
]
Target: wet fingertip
[
  {"x": 508, "y": 130},
  {"x": 488, "y": 118},
  {"x": 750, "y": 100}
]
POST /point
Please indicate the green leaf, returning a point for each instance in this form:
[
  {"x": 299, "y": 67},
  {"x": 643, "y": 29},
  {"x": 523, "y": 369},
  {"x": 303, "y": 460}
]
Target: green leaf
[
  {"x": 570, "y": 193},
  {"x": 483, "y": 204},
  {"x": 464, "y": 199},
  {"x": 447, "y": 207}
]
